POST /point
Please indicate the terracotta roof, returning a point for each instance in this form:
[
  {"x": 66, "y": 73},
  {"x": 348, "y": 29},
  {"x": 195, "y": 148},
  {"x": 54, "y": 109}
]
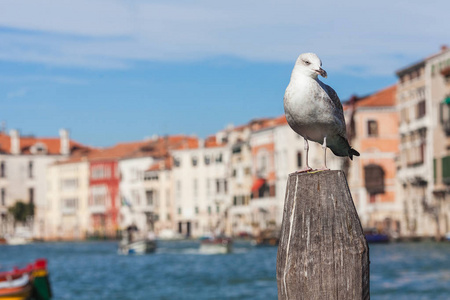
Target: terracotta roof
[
  {"x": 164, "y": 164},
  {"x": 211, "y": 142},
  {"x": 158, "y": 147},
  {"x": 385, "y": 97},
  {"x": 116, "y": 152},
  {"x": 26, "y": 142}
]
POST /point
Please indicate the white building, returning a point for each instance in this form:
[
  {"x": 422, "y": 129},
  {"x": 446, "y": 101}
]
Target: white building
[
  {"x": 66, "y": 210},
  {"x": 201, "y": 192},
  {"x": 421, "y": 95},
  {"x": 158, "y": 185},
  {"x": 137, "y": 205},
  {"x": 23, "y": 164}
]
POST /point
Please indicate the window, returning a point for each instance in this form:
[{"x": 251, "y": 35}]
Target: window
[
  {"x": 167, "y": 197},
  {"x": 3, "y": 197},
  {"x": 208, "y": 186},
  {"x": 69, "y": 205},
  {"x": 219, "y": 158},
  {"x": 98, "y": 195},
  {"x": 217, "y": 186},
  {"x": 209, "y": 210},
  {"x": 374, "y": 179},
  {"x": 151, "y": 176},
  {"x": 372, "y": 128},
  {"x": 177, "y": 161},
  {"x": 247, "y": 171},
  {"x": 421, "y": 109},
  {"x": 195, "y": 185},
  {"x": 236, "y": 149},
  {"x": 30, "y": 169},
  {"x": 194, "y": 161},
  {"x": 207, "y": 159},
  {"x": 2, "y": 169},
  {"x": 179, "y": 210},
  {"x": 97, "y": 172},
  {"x": 299, "y": 159},
  {"x": 69, "y": 184},
  {"x": 196, "y": 210},
  {"x": 178, "y": 190},
  {"x": 150, "y": 195},
  {"x": 31, "y": 195}
]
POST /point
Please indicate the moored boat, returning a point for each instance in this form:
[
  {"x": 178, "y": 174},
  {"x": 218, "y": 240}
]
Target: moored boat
[
  {"x": 267, "y": 238},
  {"x": 137, "y": 247},
  {"x": 373, "y": 236},
  {"x": 216, "y": 245},
  {"x": 28, "y": 283}
]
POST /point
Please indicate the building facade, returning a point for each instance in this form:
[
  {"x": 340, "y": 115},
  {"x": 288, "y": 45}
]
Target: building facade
[
  {"x": 67, "y": 212},
  {"x": 421, "y": 96},
  {"x": 23, "y": 165},
  {"x": 373, "y": 175}
]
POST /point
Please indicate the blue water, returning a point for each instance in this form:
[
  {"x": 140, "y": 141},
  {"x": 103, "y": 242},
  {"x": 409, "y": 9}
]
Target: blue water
[{"x": 93, "y": 270}]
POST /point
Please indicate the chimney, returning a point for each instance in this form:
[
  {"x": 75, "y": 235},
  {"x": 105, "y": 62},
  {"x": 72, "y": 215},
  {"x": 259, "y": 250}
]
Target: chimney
[
  {"x": 64, "y": 148},
  {"x": 15, "y": 141},
  {"x": 444, "y": 47}
]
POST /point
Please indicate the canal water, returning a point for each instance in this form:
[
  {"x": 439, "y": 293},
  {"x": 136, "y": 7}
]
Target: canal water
[{"x": 94, "y": 270}]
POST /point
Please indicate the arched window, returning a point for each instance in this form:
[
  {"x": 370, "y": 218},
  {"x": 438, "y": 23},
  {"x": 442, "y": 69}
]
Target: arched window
[{"x": 374, "y": 179}]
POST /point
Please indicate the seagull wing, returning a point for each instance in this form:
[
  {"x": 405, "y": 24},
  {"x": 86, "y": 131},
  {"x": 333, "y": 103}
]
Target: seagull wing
[{"x": 338, "y": 110}]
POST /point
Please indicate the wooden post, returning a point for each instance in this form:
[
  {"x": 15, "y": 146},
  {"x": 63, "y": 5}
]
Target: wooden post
[{"x": 323, "y": 253}]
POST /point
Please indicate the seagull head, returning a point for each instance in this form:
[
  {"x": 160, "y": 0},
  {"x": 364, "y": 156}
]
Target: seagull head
[{"x": 309, "y": 64}]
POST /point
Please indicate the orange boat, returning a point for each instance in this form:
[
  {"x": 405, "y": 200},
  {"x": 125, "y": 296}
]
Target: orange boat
[{"x": 29, "y": 283}]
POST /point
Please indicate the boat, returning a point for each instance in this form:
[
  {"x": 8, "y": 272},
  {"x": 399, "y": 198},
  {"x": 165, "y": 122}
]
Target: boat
[
  {"x": 17, "y": 240},
  {"x": 447, "y": 236},
  {"x": 132, "y": 243},
  {"x": 216, "y": 245},
  {"x": 29, "y": 283},
  {"x": 267, "y": 238},
  {"x": 374, "y": 236},
  {"x": 142, "y": 246}
]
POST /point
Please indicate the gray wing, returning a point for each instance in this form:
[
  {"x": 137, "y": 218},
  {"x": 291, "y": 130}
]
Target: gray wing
[{"x": 339, "y": 111}]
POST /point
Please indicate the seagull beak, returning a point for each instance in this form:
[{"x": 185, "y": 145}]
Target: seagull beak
[{"x": 322, "y": 72}]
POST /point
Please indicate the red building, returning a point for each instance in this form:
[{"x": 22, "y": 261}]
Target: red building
[{"x": 104, "y": 195}]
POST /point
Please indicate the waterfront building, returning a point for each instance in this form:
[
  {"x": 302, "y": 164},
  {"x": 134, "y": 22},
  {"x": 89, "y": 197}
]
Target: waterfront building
[
  {"x": 67, "y": 213},
  {"x": 144, "y": 191},
  {"x": 271, "y": 152},
  {"x": 158, "y": 185},
  {"x": 239, "y": 221},
  {"x": 421, "y": 95},
  {"x": 104, "y": 195},
  {"x": 201, "y": 190},
  {"x": 437, "y": 70},
  {"x": 23, "y": 164},
  {"x": 372, "y": 176}
]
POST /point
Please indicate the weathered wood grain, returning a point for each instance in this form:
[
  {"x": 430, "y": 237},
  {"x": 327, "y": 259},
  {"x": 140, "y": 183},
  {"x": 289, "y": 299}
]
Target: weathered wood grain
[{"x": 322, "y": 252}]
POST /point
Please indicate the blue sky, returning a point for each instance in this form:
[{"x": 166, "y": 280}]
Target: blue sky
[{"x": 113, "y": 71}]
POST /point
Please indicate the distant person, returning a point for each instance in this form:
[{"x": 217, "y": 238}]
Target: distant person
[{"x": 131, "y": 230}]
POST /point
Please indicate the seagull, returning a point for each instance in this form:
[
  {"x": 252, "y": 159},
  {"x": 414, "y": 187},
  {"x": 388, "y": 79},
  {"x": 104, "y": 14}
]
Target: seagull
[{"x": 314, "y": 111}]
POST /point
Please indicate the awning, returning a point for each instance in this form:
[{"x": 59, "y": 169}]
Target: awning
[
  {"x": 446, "y": 100},
  {"x": 257, "y": 184}
]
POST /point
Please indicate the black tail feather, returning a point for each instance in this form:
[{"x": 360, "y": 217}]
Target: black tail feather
[{"x": 352, "y": 152}]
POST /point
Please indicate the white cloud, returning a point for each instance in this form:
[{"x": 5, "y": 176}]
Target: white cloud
[
  {"x": 377, "y": 37},
  {"x": 17, "y": 93}
]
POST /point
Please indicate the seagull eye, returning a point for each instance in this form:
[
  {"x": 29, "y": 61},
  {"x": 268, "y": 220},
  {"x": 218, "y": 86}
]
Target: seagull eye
[{"x": 307, "y": 62}]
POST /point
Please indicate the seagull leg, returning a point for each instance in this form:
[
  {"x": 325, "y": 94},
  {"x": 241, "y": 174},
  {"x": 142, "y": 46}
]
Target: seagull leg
[
  {"x": 307, "y": 168},
  {"x": 324, "y": 147}
]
